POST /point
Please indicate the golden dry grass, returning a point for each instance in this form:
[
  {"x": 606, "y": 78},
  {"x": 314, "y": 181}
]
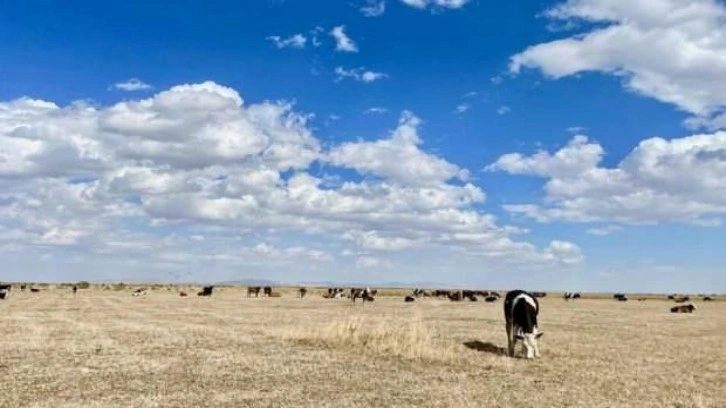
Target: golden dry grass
[{"x": 105, "y": 348}]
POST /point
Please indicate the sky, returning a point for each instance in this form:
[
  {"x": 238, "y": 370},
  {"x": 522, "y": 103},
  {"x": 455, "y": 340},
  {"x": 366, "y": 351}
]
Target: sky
[{"x": 556, "y": 145}]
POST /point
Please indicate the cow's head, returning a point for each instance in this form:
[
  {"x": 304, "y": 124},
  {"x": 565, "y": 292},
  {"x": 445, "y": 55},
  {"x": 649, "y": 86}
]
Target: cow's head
[{"x": 530, "y": 341}]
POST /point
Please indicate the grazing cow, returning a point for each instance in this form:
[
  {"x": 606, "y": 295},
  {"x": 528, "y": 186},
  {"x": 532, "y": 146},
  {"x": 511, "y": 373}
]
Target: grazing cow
[
  {"x": 620, "y": 297},
  {"x": 456, "y": 296},
  {"x": 672, "y": 297},
  {"x": 520, "y": 313},
  {"x": 539, "y": 294},
  {"x": 409, "y": 299},
  {"x": 642, "y": 299},
  {"x": 303, "y": 292},
  {"x": 75, "y": 289},
  {"x": 22, "y": 288},
  {"x": 491, "y": 299},
  {"x": 5, "y": 291},
  {"x": 34, "y": 290},
  {"x": 183, "y": 294},
  {"x": 707, "y": 299},
  {"x": 689, "y": 308},
  {"x": 139, "y": 292},
  {"x": 571, "y": 295},
  {"x": 365, "y": 294},
  {"x": 267, "y": 291},
  {"x": 253, "y": 290},
  {"x": 682, "y": 299},
  {"x": 335, "y": 293},
  {"x": 206, "y": 291}
]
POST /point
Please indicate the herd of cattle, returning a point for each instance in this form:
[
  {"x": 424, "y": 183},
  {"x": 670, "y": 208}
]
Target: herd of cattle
[{"x": 521, "y": 308}]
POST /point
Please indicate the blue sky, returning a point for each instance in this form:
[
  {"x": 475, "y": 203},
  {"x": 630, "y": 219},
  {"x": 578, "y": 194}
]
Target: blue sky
[{"x": 570, "y": 145}]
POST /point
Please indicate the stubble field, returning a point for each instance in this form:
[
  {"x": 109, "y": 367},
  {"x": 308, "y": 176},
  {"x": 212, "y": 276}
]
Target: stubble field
[{"x": 105, "y": 348}]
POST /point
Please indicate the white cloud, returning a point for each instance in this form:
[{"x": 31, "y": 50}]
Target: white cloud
[
  {"x": 370, "y": 262},
  {"x": 606, "y": 230},
  {"x": 294, "y": 41},
  {"x": 496, "y": 80},
  {"x": 660, "y": 181},
  {"x": 359, "y": 74},
  {"x": 103, "y": 183},
  {"x": 670, "y": 50},
  {"x": 422, "y": 4},
  {"x": 472, "y": 94},
  {"x": 342, "y": 41},
  {"x": 373, "y": 8},
  {"x": 133, "y": 84},
  {"x": 375, "y": 110},
  {"x": 503, "y": 110},
  {"x": 462, "y": 107}
]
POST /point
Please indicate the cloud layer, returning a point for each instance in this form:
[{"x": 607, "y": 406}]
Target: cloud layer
[
  {"x": 195, "y": 178},
  {"x": 660, "y": 181}
]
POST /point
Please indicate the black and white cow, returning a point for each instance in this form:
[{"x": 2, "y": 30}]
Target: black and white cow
[
  {"x": 5, "y": 291},
  {"x": 520, "y": 313}
]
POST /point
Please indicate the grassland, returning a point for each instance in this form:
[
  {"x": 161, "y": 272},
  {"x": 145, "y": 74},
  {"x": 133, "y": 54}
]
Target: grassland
[{"x": 105, "y": 348}]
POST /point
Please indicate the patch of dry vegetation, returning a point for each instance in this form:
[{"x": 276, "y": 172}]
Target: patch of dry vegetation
[
  {"x": 410, "y": 340},
  {"x": 105, "y": 348}
]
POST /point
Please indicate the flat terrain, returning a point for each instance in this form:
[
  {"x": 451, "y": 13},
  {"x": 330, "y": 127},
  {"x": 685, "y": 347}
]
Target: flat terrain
[{"x": 105, "y": 348}]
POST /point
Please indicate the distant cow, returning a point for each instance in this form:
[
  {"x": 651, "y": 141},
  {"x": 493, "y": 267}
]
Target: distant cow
[
  {"x": 456, "y": 296},
  {"x": 409, "y": 299},
  {"x": 620, "y": 297},
  {"x": 139, "y": 292},
  {"x": 253, "y": 290},
  {"x": 520, "y": 313},
  {"x": 491, "y": 299},
  {"x": 707, "y": 299},
  {"x": 689, "y": 308},
  {"x": 183, "y": 294},
  {"x": 34, "y": 290},
  {"x": 206, "y": 291},
  {"x": 682, "y": 299},
  {"x": 5, "y": 291},
  {"x": 366, "y": 294},
  {"x": 303, "y": 292},
  {"x": 571, "y": 295},
  {"x": 334, "y": 293},
  {"x": 75, "y": 289},
  {"x": 22, "y": 288},
  {"x": 642, "y": 299},
  {"x": 539, "y": 294},
  {"x": 267, "y": 291}
]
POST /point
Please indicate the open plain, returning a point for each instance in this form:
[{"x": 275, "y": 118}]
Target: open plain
[{"x": 105, "y": 348}]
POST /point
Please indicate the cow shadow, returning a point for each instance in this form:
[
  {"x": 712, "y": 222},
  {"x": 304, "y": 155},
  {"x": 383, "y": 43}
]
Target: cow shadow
[{"x": 487, "y": 347}]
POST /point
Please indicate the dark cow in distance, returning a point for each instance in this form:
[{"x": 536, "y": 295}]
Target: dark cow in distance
[
  {"x": 34, "y": 290},
  {"x": 707, "y": 299},
  {"x": 409, "y": 299},
  {"x": 267, "y": 291},
  {"x": 206, "y": 291},
  {"x": 682, "y": 299},
  {"x": 520, "y": 313},
  {"x": 689, "y": 308},
  {"x": 491, "y": 299},
  {"x": 539, "y": 294},
  {"x": 303, "y": 292},
  {"x": 620, "y": 297},
  {"x": 253, "y": 290},
  {"x": 5, "y": 291},
  {"x": 571, "y": 295}
]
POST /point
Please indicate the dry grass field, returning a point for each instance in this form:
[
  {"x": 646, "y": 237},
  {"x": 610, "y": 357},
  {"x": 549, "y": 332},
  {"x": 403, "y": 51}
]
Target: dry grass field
[{"x": 105, "y": 348}]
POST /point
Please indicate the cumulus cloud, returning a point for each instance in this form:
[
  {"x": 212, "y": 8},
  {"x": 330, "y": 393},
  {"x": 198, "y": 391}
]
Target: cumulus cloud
[
  {"x": 670, "y": 50},
  {"x": 343, "y": 43},
  {"x": 373, "y": 8},
  {"x": 503, "y": 110},
  {"x": 660, "y": 181},
  {"x": 195, "y": 178},
  {"x": 133, "y": 84},
  {"x": 294, "y": 41},
  {"x": 359, "y": 74},
  {"x": 422, "y": 4},
  {"x": 606, "y": 230}
]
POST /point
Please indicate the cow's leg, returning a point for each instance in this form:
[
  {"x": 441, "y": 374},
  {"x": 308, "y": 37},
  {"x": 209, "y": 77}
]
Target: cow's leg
[{"x": 510, "y": 339}]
